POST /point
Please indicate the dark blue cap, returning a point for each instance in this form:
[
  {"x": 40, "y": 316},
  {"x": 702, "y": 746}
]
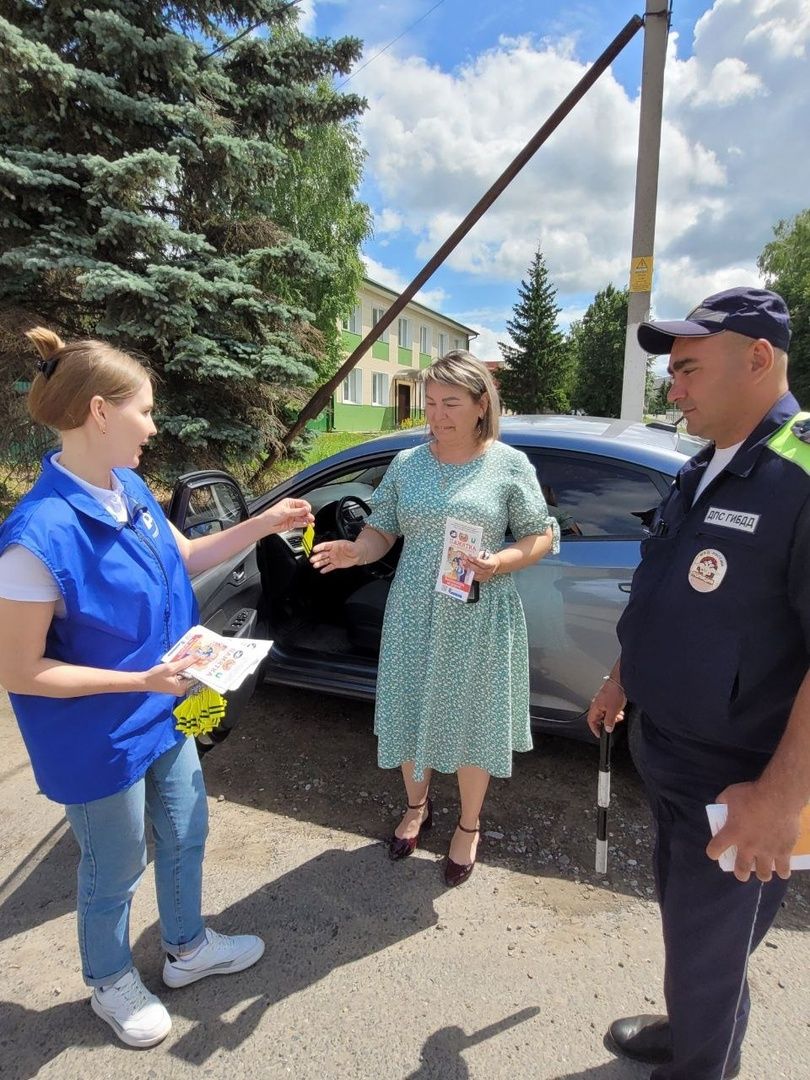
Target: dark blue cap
[{"x": 757, "y": 313}]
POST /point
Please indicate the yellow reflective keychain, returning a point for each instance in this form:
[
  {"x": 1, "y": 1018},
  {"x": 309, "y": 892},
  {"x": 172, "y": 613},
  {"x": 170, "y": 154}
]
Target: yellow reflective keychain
[
  {"x": 200, "y": 712},
  {"x": 307, "y": 540}
]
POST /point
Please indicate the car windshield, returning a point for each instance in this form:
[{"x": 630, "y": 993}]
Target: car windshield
[{"x": 370, "y": 476}]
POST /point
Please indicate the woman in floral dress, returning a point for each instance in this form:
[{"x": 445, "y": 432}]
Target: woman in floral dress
[{"x": 453, "y": 683}]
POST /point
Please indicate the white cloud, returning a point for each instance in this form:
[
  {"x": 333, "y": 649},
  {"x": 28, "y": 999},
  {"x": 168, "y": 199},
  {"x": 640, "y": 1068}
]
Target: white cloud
[
  {"x": 392, "y": 279},
  {"x": 437, "y": 140},
  {"x": 485, "y": 346},
  {"x": 387, "y": 221},
  {"x": 729, "y": 81},
  {"x": 681, "y": 286},
  {"x": 307, "y": 16},
  {"x": 734, "y": 153}
]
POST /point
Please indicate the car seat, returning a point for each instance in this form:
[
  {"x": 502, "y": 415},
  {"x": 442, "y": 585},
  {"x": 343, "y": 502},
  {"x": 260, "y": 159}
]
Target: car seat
[{"x": 364, "y": 611}]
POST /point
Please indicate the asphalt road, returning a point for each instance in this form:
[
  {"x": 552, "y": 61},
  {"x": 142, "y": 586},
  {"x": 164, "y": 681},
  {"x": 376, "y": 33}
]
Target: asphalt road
[{"x": 374, "y": 970}]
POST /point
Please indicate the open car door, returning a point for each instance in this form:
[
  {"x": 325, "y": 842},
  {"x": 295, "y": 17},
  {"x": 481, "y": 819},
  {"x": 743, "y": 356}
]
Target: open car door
[{"x": 229, "y": 595}]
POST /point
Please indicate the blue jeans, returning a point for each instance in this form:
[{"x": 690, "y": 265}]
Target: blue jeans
[{"x": 112, "y": 836}]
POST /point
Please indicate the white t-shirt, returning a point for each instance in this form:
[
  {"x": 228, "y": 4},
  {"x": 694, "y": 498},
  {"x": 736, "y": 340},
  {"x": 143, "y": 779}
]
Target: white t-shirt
[
  {"x": 718, "y": 462},
  {"x": 24, "y": 576}
]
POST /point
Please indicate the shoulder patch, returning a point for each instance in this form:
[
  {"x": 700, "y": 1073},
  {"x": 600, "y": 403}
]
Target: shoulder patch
[{"x": 792, "y": 441}]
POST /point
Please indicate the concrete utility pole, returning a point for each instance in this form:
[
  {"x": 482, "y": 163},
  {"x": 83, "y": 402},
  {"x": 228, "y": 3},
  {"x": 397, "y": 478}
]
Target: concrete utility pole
[{"x": 656, "y": 27}]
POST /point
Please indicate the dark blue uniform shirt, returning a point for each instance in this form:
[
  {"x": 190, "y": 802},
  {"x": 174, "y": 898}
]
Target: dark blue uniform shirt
[{"x": 716, "y": 635}]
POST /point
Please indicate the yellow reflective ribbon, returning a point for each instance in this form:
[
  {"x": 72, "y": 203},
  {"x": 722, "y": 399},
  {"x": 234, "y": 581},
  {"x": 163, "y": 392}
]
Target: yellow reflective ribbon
[{"x": 200, "y": 712}]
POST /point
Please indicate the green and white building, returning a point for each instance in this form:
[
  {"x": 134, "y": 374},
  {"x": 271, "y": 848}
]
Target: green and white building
[{"x": 383, "y": 389}]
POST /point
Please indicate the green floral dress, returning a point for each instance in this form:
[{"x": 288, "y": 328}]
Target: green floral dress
[{"x": 453, "y": 685}]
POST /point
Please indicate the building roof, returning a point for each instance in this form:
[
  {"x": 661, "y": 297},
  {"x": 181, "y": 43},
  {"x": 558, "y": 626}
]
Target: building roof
[{"x": 468, "y": 330}]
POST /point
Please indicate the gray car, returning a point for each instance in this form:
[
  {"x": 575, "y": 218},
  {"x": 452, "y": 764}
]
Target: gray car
[{"x": 602, "y": 480}]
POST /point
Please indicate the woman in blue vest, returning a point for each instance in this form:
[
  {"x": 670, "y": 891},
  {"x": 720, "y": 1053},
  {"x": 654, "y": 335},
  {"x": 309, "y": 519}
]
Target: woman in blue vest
[{"x": 94, "y": 589}]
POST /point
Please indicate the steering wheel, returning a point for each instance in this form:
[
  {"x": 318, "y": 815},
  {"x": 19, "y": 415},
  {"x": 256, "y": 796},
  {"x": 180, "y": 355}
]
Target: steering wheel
[{"x": 349, "y": 526}]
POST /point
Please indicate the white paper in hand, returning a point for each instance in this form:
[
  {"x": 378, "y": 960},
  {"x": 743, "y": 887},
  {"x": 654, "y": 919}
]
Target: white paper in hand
[
  {"x": 799, "y": 860},
  {"x": 718, "y": 815},
  {"x": 219, "y": 662}
]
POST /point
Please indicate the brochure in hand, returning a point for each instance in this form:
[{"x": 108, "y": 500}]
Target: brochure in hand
[
  {"x": 799, "y": 860},
  {"x": 461, "y": 542},
  {"x": 223, "y": 663}
]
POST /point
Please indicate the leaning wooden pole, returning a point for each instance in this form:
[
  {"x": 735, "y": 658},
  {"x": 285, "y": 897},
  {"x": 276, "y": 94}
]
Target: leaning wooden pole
[{"x": 320, "y": 398}]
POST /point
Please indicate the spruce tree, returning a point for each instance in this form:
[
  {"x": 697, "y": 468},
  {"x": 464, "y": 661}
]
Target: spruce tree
[
  {"x": 597, "y": 342},
  {"x": 136, "y": 203},
  {"x": 537, "y": 367}
]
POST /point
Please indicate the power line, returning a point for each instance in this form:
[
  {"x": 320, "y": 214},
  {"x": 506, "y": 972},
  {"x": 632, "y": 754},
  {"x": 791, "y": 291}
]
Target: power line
[
  {"x": 390, "y": 43},
  {"x": 250, "y": 29}
]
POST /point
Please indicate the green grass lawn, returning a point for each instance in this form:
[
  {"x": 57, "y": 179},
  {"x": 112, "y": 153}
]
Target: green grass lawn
[
  {"x": 13, "y": 484},
  {"x": 323, "y": 446}
]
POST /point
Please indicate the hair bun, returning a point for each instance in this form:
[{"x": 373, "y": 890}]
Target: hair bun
[{"x": 46, "y": 342}]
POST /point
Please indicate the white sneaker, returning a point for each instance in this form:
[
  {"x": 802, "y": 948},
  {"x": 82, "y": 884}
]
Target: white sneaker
[
  {"x": 137, "y": 1017},
  {"x": 219, "y": 954}
]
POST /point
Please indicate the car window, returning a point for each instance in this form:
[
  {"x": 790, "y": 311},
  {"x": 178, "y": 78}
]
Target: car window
[
  {"x": 370, "y": 476},
  {"x": 593, "y": 497},
  {"x": 689, "y": 444},
  {"x": 212, "y": 508}
]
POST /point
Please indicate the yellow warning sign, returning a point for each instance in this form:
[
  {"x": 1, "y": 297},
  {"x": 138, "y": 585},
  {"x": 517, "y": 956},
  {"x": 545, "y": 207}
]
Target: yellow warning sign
[{"x": 641, "y": 272}]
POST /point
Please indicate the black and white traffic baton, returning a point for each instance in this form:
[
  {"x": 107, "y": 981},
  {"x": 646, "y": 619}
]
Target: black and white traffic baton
[{"x": 603, "y": 799}]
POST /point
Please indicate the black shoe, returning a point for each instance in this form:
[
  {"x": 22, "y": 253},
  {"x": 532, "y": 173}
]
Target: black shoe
[
  {"x": 457, "y": 873},
  {"x": 401, "y": 847},
  {"x": 648, "y": 1039},
  {"x": 641, "y": 1038}
]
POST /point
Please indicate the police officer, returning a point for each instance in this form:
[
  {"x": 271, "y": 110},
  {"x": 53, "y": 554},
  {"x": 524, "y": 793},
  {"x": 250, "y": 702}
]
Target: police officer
[{"x": 715, "y": 643}]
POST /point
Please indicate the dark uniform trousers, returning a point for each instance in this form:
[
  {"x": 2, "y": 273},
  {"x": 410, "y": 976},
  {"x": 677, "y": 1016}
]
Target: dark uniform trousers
[
  {"x": 711, "y": 921},
  {"x": 715, "y": 645}
]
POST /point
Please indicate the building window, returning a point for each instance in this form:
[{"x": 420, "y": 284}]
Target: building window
[
  {"x": 354, "y": 322},
  {"x": 457, "y": 343},
  {"x": 353, "y": 387},
  {"x": 424, "y": 340},
  {"x": 376, "y": 314},
  {"x": 379, "y": 389},
  {"x": 442, "y": 344},
  {"x": 404, "y": 330}
]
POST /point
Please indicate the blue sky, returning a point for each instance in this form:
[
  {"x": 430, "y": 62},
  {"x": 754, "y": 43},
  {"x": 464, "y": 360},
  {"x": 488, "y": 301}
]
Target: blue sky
[{"x": 455, "y": 98}]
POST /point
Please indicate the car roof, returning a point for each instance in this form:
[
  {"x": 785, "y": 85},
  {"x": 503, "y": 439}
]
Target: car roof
[
  {"x": 658, "y": 447},
  {"x": 662, "y": 448}
]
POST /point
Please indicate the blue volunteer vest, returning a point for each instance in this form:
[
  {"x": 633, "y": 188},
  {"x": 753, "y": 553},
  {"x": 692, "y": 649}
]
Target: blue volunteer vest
[{"x": 128, "y": 598}]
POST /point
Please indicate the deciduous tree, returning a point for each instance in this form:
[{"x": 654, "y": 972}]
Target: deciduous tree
[
  {"x": 597, "y": 341},
  {"x": 786, "y": 265}
]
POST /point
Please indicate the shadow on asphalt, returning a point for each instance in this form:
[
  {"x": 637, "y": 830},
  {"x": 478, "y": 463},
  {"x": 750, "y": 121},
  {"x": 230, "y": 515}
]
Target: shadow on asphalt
[
  {"x": 612, "y": 1070},
  {"x": 325, "y": 914},
  {"x": 441, "y": 1054},
  {"x": 40, "y": 889},
  {"x": 31, "y": 1039},
  {"x": 313, "y": 758}
]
